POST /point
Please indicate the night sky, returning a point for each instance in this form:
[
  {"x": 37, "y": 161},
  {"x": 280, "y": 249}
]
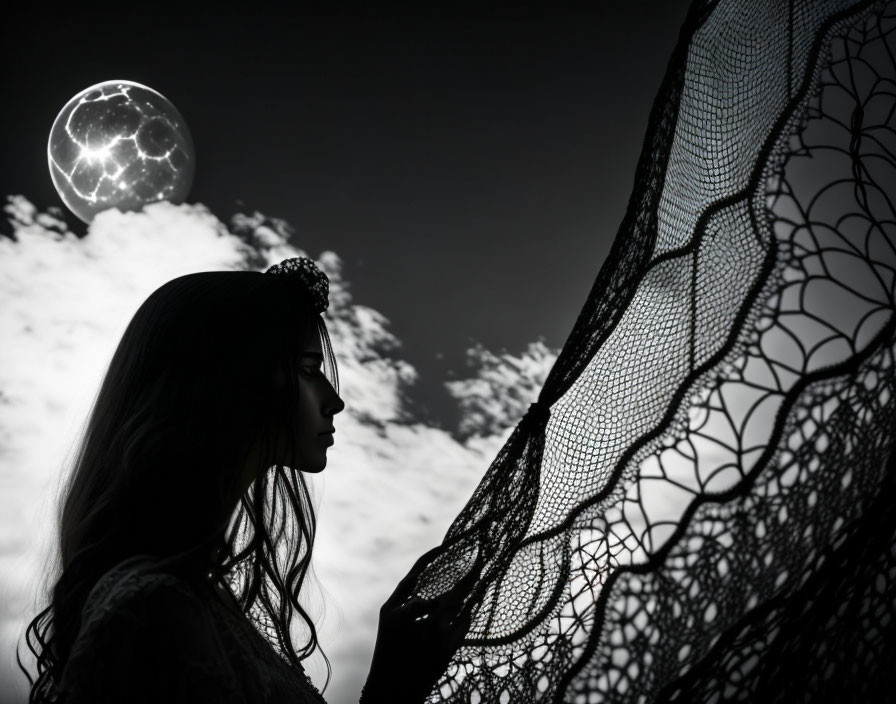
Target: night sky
[{"x": 470, "y": 167}]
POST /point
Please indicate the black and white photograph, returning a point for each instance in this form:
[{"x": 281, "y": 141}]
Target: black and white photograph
[{"x": 500, "y": 353}]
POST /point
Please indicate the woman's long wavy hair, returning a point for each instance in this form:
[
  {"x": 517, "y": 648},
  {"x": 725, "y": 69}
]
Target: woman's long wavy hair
[{"x": 204, "y": 380}]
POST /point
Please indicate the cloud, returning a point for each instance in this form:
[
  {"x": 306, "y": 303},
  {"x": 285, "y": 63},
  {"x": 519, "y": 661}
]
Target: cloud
[
  {"x": 500, "y": 389},
  {"x": 392, "y": 485}
]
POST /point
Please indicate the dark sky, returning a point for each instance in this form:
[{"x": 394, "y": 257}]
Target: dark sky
[{"x": 471, "y": 167}]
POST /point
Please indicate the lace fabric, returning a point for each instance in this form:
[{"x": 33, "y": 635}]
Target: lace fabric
[
  {"x": 149, "y": 636},
  {"x": 698, "y": 509}
]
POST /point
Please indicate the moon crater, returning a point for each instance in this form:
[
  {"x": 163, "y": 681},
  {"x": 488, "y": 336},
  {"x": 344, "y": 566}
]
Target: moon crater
[{"x": 119, "y": 144}]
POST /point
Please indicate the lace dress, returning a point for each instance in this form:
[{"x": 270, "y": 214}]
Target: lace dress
[{"x": 148, "y": 636}]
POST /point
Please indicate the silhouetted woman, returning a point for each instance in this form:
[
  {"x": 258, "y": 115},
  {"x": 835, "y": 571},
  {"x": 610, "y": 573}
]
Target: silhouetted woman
[{"x": 186, "y": 530}]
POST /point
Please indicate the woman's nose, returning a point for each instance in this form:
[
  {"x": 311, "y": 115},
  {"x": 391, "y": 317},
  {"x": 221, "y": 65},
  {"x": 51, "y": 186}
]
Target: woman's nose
[{"x": 335, "y": 404}]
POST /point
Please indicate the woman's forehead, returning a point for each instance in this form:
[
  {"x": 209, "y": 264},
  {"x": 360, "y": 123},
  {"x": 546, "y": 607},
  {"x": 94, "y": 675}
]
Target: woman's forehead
[{"x": 312, "y": 339}]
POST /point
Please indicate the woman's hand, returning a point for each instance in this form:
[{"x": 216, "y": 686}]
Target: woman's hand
[{"x": 416, "y": 639}]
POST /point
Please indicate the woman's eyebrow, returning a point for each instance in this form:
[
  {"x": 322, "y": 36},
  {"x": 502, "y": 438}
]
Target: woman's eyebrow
[{"x": 317, "y": 355}]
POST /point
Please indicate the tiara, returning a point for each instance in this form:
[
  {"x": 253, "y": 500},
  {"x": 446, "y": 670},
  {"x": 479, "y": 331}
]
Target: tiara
[{"x": 307, "y": 272}]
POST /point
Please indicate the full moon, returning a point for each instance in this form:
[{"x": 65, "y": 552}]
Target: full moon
[{"x": 119, "y": 144}]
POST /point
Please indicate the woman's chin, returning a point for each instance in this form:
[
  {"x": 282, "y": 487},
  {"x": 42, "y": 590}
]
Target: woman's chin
[
  {"x": 313, "y": 470},
  {"x": 314, "y": 465}
]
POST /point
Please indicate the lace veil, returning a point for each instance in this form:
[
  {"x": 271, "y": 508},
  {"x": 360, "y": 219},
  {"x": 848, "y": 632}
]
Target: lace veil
[{"x": 699, "y": 506}]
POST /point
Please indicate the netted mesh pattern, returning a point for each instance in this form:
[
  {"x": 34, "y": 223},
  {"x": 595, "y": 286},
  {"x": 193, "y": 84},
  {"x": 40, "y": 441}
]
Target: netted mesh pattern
[{"x": 698, "y": 507}]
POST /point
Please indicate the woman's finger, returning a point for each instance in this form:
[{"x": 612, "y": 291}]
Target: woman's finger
[
  {"x": 406, "y": 586},
  {"x": 452, "y": 632},
  {"x": 453, "y": 599},
  {"x": 418, "y": 607}
]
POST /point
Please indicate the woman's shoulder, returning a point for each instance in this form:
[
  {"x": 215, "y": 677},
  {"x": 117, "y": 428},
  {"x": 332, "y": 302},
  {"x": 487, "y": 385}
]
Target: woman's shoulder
[
  {"x": 151, "y": 611},
  {"x": 146, "y": 635},
  {"x": 137, "y": 584}
]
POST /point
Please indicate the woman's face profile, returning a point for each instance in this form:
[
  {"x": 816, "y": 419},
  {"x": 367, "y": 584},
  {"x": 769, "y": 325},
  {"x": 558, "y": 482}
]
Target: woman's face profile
[{"x": 318, "y": 404}]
